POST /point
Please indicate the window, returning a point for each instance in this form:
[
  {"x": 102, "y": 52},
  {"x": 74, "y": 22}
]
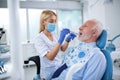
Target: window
[
  {"x": 69, "y": 19},
  {"x": 4, "y": 18},
  {"x": 4, "y": 25},
  {"x": 66, "y": 19}
]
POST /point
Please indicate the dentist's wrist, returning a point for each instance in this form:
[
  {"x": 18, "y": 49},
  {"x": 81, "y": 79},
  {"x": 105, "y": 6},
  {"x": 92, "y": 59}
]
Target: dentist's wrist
[{"x": 67, "y": 40}]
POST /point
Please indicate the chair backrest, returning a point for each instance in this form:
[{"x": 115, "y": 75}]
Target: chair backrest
[
  {"x": 101, "y": 42},
  {"x": 36, "y": 60}
]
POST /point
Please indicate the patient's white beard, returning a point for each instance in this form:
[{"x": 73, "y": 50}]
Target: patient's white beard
[{"x": 84, "y": 38}]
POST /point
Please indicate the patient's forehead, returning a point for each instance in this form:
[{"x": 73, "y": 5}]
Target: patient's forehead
[{"x": 90, "y": 23}]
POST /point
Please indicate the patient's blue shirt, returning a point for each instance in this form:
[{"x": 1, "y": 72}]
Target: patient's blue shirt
[{"x": 92, "y": 70}]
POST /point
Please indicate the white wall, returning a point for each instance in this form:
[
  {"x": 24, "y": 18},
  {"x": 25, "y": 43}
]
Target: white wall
[
  {"x": 112, "y": 18},
  {"x": 107, "y": 13},
  {"x": 94, "y": 9}
]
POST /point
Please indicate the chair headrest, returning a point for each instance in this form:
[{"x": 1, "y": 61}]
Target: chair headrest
[{"x": 101, "y": 41}]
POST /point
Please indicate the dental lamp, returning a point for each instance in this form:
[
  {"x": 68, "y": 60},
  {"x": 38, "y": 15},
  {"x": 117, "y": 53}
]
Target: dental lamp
[{"x": 111, "y": 47}]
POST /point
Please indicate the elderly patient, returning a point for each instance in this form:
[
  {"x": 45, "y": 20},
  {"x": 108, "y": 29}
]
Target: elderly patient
[{"x": 86, "y": 53}]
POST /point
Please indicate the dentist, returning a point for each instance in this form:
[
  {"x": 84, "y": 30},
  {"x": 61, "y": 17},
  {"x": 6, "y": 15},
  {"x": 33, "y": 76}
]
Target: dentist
[{"x": 48, "y": 46}]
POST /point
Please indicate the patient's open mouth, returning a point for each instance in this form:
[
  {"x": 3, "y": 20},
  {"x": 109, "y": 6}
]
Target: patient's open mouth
[{"x": 80, "y": 33}]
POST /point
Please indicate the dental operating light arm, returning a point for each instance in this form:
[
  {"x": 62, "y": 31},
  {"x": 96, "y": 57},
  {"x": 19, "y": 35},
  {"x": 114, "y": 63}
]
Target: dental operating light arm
[
  {"x": 111, "y": 47},
  {"x": 115, "y": 37}
]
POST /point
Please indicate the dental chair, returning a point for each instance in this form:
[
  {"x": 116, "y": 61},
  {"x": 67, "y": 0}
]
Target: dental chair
[
  {"x": 101, "y": 42},
  {"x": 36, "y": 60}
]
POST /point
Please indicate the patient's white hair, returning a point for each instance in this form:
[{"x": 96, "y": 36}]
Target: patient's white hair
[{"x": 98, "y": 26}]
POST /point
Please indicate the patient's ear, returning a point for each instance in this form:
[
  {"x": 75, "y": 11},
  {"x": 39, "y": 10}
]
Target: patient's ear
[{"x": 95, "y": 32}]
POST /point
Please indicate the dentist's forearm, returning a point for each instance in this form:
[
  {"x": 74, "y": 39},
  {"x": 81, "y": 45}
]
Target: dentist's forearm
[
  {"x": 52, "y": 54},
  {"x": 64, "y": 46}
]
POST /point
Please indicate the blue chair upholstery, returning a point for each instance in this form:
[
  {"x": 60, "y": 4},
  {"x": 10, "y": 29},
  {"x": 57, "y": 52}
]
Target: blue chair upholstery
[{"x": 101, "y": 42}]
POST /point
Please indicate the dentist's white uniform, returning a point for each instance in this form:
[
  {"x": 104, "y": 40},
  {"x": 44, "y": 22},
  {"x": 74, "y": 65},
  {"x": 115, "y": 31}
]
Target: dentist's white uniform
[{"x": 43, "y": 45}]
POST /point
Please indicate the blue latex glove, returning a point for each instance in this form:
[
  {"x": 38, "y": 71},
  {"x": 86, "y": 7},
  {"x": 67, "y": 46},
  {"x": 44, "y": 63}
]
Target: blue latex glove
[
  {"x": 70, "y": 37},
  {"x": 63, "y": 33}
]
